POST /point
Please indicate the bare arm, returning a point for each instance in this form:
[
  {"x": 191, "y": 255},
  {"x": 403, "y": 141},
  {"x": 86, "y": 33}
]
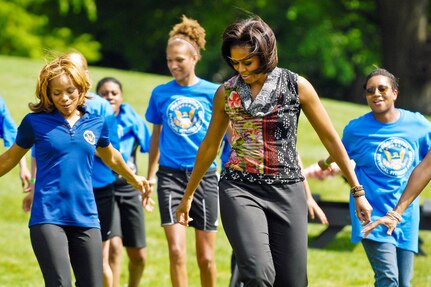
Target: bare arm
[
  {"x": 313, "y": 208},
  {"x": 418, "y": 180},
  {"x": 154, "y": 154},
  {"x": 112, "y": 158},
  {"x": 206, "y": 154},
  {"x": 10, "y": 158},
  {"x": 24, "y": 174},
  {"x": 319, "y": 119}
]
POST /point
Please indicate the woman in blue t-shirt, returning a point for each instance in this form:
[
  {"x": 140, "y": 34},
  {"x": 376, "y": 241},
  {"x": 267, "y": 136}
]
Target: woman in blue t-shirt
[
  {"x": 180, "y": 112},
  {"x": 64, "y": 224},
  {"x": 386, "y": 144}
]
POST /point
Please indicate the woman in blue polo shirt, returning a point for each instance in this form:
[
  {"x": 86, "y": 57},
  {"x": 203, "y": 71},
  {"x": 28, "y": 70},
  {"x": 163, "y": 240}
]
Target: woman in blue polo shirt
[
  {"x": 180, "y": 111},
  {"x": 64, "y": 224}
]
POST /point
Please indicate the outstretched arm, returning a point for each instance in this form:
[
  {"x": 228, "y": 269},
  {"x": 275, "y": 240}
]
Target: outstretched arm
[
  {"x": 319, "y": 119},
  {"x": 112, "y": 158},
  {"x": 206, "y": 154},
  {"x": 418, "y": 180},
  {"x": 10, "y": 158}
]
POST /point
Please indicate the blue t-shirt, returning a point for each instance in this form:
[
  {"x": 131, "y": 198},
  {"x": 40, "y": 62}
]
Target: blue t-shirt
[
  {"x": 102, "y": 174},
  {"x": 385, "y": 155},
  {"x": 63, "y": 193},
  {"x": 185, "y": 113},
  {"x": 7, "y": 125}
]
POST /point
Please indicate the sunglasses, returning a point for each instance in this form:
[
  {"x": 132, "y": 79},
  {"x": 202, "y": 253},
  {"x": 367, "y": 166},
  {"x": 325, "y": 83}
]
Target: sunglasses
[{"x": 372, "y": 90}]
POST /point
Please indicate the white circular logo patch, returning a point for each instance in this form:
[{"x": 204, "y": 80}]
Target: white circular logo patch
[
  {"x": 90, "y": 137},
  {"x": 394, "y": 157},
  {"x": 185, "y": 116}
]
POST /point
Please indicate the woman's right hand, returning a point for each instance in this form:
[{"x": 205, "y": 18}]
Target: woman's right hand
[
  {"x": 363, "y": 210},
  {"x": 183, "y": 211}
]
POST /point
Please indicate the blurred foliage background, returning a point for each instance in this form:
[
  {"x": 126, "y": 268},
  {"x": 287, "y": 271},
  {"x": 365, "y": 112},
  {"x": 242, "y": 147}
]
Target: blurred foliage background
[{"x": 334, "y": 43}]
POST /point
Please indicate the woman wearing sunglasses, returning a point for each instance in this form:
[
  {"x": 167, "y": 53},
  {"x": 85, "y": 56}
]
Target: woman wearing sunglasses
[{"x": 386, "y": 145}]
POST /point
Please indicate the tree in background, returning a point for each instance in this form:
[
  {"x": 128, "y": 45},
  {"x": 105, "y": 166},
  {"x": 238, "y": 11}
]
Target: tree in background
[
  {"x": 334, "y": 42},
  {"x": 26, "y": 32}
]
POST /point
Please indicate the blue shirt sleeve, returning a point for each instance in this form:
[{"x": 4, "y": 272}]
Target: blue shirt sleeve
[
  {"x": 153, "y": 112},
  {"x": 7, "y": 125},
  {"x": 25, "y": 137},
  {"x": 104, "y": 139}
]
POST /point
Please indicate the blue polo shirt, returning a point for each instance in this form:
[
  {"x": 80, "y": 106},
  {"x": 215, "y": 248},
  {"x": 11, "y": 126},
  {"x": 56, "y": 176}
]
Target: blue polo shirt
[
  {"x": 102, "y": 174},
  {"x": 7, "y": 125},
  {"x": 63, "y": 193}
]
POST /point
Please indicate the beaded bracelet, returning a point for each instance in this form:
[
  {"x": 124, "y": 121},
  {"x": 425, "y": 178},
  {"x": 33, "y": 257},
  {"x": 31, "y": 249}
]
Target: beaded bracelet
[
  {"x": 356, "y": 188},
  {"x": 358, "y": 193},
  {"x": 394, "y": 215}
]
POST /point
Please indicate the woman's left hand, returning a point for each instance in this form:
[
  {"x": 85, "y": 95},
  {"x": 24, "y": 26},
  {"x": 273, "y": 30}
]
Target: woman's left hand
[{"x": 388, "y": 221}]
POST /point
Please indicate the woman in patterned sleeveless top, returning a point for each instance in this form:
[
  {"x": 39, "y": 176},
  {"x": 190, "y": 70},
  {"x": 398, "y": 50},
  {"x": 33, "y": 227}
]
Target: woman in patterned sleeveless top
[{"x": 262, "y": 198}]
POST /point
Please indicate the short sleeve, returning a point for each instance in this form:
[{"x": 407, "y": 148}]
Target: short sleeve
[
  {"x": 25, "y": 137},
  {"x": 153, "y": 114},
  {"x": 104, "y": 135}
]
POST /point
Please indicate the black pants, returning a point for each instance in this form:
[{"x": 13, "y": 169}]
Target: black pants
[
  {"x": 267, "y": 228},
  {"x": 58, "y": 247}
]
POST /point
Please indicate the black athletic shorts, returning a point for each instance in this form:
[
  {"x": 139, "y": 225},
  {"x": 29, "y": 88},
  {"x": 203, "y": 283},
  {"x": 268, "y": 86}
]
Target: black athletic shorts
[
  {"x": 128, "y": 222},
  {"x": 170, "y": 190}
]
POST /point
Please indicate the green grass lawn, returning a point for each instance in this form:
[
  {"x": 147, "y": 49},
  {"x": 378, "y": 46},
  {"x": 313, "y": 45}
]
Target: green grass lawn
[{"x": 340, "y": 264}]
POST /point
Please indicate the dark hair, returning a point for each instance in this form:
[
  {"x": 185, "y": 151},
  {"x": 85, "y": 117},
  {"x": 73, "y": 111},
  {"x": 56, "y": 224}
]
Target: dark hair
[
  {"x": 382, "y": 72},
  {"x": 107, "y": 80},
  {"x": 256, "y": 34}
]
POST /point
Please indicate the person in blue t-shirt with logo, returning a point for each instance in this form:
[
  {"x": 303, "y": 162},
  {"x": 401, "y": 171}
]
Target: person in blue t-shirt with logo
[
  {"x": 180, "y": 112},
  {"x": 128, "y": 228},
  {"x": 386, "y": 144},
  {"x": 8, "y": 134},
  {"x": 64, "y": 223}
]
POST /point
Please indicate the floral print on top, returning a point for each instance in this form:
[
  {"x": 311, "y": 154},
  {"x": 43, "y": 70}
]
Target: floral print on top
[{"x": 264, "y": 130}]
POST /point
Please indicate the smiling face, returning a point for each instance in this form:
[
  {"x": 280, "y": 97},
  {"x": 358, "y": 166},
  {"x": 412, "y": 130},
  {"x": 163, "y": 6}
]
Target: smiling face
[
  {"x": 246, "y": 65},
  {"x": 181, "y": 61},
  {"x": 64, "y": 95},
  {"x": 381, "y": 95},
  {"x": 112, "y": 92}
]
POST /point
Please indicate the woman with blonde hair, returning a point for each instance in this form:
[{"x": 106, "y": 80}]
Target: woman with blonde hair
[{"x": 64, "y": 224}]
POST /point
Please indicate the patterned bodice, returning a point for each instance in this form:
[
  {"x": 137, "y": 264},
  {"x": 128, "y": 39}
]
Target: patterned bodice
[{"x": 264, "y": 129}]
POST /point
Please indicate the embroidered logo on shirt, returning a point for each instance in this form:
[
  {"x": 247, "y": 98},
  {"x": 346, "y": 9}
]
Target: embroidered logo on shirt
[
  {"x": 394, "y": 157},
  {"x": 90, "y": 137},
  {"x": 185, "y": 116}
]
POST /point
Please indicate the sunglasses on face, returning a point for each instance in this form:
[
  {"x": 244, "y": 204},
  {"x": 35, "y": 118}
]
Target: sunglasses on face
[{"x": 372, "y": 90}]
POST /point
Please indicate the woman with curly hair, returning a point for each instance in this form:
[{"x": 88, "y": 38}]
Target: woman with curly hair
[{"x": 180, "y": 112}]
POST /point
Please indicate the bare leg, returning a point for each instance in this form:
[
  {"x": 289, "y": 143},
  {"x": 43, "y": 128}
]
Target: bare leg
[
  {"x": 205, "y": 246},
  {"x": 107, "y": 272},
  {"x": 137, "y": 260},
  {"x": 176, "y": 237},
  {"x": 115, "y": 250}
]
